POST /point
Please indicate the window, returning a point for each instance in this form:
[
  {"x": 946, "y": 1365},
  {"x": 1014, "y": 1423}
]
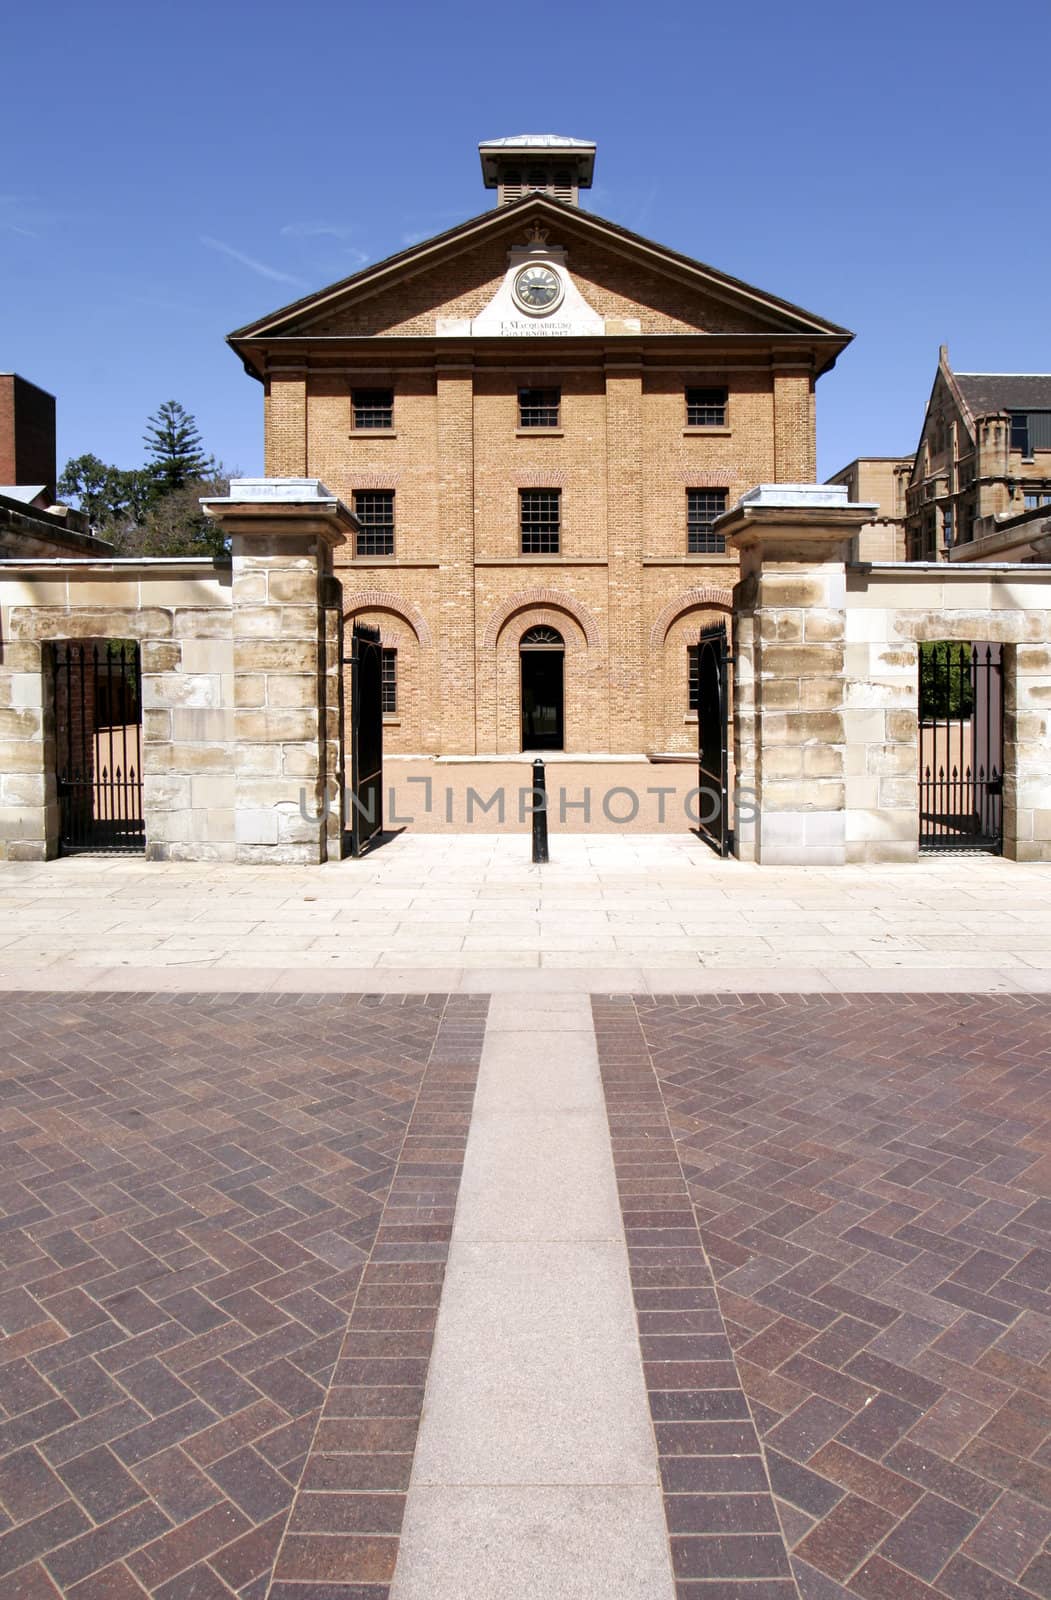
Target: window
[
  {"x": 1034, "y": 500},
  {"x": 693, "y": 676},
  {"x": 373, "y": 408},
  {"x": 541, "y": 639},
  {"x": 966, "y": 531},
  {"x": 1030, "y": 430},
  {"x": 540, "y": 511},
  {"x": 702, "y": 508},
  {"x": 388, "y": 682},
  {"x": 374, "y": 509},
  {"x": 539, "y": 408},
  {"x": 947, "y": 526},
  {"x": 706, "y": 408},
  {"x": 1020, "y": 432}
]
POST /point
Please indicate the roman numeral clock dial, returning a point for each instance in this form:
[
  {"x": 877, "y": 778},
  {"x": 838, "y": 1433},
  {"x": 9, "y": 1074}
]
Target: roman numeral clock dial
[{"x": 537, "y": 289}]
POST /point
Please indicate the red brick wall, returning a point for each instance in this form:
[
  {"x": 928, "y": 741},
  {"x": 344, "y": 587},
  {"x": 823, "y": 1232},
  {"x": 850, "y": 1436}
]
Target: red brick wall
[{"x": 27, "y": 433}]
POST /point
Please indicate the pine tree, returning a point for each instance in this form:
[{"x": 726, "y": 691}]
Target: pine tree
[{"x": 175, "y": 451}]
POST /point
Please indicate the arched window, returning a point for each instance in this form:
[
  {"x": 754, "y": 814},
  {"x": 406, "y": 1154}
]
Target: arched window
[{"x": 542, "y": 638}]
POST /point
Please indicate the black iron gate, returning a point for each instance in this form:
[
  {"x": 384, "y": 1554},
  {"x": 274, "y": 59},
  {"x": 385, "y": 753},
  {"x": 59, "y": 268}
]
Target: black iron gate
[
  {"x": 961, "y": 747},
  {"x": 98, "y": 740},
  {"x": 713, "y": 713},
  {"x": 366, "y": 737}
]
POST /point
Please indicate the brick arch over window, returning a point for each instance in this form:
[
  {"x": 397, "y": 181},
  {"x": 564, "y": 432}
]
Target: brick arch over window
[
  {"x": 706, "y": 595},
  {"x": 540, "y": 597},
  {"x": 384, "y": 600}
]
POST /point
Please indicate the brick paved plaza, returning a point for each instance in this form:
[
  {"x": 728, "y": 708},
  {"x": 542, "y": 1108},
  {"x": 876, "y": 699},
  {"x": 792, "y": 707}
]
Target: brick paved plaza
[
  {"x": 525, "y": 1286},
  {"x": 222, "y": 1253}
]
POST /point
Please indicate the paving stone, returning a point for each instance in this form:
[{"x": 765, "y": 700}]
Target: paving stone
[
  {"x": 868, "y": 1177},
  {"x": 194, "y": 1189}
]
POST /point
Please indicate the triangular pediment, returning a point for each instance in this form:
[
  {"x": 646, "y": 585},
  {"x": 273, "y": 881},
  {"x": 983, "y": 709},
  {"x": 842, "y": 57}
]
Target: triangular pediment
[{"x": 624, "y": 282}]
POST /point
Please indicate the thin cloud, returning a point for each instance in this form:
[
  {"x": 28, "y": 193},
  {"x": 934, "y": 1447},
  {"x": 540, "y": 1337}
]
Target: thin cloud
[
  {"x": 316, "y": 230},
  {"x": 16, "y": 216},
  {"x": 251, "y": 263}
]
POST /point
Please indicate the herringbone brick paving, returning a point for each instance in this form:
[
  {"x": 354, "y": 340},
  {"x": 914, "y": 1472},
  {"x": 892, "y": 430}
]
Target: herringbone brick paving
[
  {"x": 196, "y": 1192},
  {"x": 870, "y": 1176}
]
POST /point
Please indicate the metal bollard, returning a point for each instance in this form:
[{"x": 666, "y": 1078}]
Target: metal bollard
[{"x": 540, "y": 854}]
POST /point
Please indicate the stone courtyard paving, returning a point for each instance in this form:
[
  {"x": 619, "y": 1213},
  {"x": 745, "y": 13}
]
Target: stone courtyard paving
[{"x": 632, "y": 912}]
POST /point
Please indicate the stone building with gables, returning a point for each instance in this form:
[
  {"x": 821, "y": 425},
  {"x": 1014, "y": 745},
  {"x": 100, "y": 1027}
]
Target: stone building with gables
[
  {"x": 980, "y": 488},
  {"x": 536, "y": 418}
]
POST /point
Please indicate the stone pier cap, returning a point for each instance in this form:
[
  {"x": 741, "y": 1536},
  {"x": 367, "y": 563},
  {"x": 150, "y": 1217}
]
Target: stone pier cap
[
  {"x": 798, "y": 520},
  {"x": 296, "y": 503}
]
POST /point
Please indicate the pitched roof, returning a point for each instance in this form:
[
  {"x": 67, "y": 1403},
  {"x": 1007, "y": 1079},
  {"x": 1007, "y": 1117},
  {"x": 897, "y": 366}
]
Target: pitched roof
[
  {"x": 985, "y": 392},
  {"x": 782, "y": 316}
]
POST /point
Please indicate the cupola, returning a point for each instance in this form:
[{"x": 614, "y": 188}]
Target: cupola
[{"x": 543, "y": 163}]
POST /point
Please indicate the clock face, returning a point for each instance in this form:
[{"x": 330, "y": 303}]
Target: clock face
[{"x": 537, "y": 289}]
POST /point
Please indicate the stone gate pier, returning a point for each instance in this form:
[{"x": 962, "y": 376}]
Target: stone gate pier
[
  {"x": 826, "y": 688},
  {"x": 237, "y": 738}
]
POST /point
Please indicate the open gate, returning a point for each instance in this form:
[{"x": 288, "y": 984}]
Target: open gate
[
  {"x": 961, "y": 747},
  {"x": 98, "y": 746},
  {"x": 366, "y": 737},
  {"x": 713, "y": 716}
]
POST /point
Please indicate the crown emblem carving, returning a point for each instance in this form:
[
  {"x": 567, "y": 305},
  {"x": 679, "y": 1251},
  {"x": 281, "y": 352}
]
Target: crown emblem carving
[{"x": 536, "y": 234}]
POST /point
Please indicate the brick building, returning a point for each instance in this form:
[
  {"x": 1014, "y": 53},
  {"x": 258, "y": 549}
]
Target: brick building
[
  {"x": 31, "y": 523},
  {"x": 880, "y": 481},
  {"x": 981, "y": 485},
  {"x": 27, "y": 439},
  {"x": 537, "y": 417}
]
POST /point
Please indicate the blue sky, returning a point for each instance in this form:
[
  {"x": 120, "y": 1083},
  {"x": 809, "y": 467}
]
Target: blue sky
[{"x": 172, "y": 172}]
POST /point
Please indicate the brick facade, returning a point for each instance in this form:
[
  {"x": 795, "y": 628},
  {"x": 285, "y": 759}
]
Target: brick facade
[
  {"x": 27, "y": 434},
  {"x": 457, "y": 594}
]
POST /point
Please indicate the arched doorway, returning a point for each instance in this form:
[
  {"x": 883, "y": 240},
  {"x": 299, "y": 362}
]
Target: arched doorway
[{"x": 542, "y": 656}]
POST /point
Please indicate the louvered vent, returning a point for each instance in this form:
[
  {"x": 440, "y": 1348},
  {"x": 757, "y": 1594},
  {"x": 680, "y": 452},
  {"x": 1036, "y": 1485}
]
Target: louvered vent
[
  {"x": 537, "y": 164},
  {"x": 554, "y": 181}
]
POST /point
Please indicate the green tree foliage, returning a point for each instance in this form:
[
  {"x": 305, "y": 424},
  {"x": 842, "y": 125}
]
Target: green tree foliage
[
  {"x": 174, "y": 450},
  {"x": 154, "y": 509},
  {"x": 175, "y": 525},
  {"x": 946, "y": 681},
  {"x": 113, "y": 498}
]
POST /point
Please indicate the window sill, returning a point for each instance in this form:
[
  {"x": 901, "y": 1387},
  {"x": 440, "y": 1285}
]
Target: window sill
[
  {"x": 691, "y": 716},
  {"x": 391, "y": 719},
  {"x": 708, "y": 433},
  {"x": 716, "y": 558},
  {"x": 373, "y": 433},
  {"x": 540, "y": 433},
  {"x": 345, "y": 562}
]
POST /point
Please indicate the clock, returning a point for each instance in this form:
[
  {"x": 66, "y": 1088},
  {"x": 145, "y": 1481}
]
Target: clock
[{"x": 537, "y": 289}]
